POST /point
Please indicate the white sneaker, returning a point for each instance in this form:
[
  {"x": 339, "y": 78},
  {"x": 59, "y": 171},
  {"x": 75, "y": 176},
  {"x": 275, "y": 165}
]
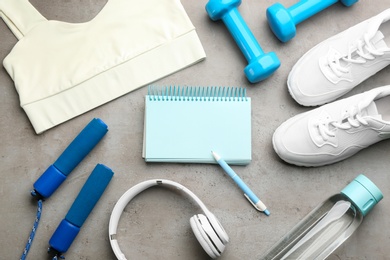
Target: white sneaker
[
  {"x": 338, "y": 64},
  {"x": 335, "y": 131}
]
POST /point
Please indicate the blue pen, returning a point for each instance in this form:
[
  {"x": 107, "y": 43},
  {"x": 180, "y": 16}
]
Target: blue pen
[{"x": 253, "y": 199}]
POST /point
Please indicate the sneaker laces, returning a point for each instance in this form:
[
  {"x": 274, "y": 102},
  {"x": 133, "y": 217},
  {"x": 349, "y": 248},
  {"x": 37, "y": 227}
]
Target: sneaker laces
[
  {"x": 364, "y": 49},
  {"x": 352, "y": 118}
]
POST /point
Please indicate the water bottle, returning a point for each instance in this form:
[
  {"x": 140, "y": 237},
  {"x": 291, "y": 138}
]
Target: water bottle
[{"x": 329, "y": 224}]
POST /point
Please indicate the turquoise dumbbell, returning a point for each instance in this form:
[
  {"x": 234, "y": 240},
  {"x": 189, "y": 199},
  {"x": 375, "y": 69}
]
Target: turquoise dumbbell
[
  {"x": 261, "y": 65},
  {"x": 283, "y": 20}
]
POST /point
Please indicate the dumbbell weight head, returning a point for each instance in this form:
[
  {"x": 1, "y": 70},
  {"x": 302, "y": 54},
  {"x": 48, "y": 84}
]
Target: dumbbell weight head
[
  {"x": 261, "y": 68},
  {"x": 217, "y": 8},
  {"x": 281, "y": 22}
]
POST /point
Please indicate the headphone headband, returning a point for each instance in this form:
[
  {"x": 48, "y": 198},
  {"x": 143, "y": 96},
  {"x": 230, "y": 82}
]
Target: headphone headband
[{"x": 130, "y": 194}]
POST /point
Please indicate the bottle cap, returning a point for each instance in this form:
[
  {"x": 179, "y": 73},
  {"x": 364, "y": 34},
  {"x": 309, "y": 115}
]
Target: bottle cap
[{"x": 363, "y": 193}]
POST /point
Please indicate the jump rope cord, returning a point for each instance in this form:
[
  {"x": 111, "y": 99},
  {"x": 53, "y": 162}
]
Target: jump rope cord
[{"x": 33, "y": 231}]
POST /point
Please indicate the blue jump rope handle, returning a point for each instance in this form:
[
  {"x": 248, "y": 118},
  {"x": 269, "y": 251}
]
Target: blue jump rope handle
[
  {"x": 89, "y": 195},
  {"x": 77, "y": 150}
]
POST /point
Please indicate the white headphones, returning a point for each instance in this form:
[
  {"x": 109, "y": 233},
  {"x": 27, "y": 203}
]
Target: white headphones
[{"x": 206, "y": 228}]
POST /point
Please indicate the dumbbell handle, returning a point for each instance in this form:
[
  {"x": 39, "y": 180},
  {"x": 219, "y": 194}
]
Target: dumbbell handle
[
  {"x": 241, "y": 33},
  {"x": 304, "y": 9}
]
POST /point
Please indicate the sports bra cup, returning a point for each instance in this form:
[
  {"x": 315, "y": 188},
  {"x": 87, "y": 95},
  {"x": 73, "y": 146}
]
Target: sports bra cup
[{"x": 62, "y": 70}]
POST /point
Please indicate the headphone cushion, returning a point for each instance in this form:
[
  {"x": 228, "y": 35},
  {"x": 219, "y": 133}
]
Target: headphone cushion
[
  {"x": 202, "y": 238},
  {"x": 218, "y": 228},
  {"x": 206, "y": 235}
]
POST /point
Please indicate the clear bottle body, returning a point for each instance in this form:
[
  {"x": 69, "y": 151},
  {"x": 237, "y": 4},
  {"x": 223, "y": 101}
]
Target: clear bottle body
[{"x": 323, "y": 230}]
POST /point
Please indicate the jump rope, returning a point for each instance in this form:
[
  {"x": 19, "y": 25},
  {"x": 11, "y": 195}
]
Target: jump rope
[{"x": 87, "y": 198}]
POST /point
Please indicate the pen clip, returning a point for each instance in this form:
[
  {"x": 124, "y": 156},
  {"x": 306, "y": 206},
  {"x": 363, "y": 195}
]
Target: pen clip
[{"x": 251, "y": 202}]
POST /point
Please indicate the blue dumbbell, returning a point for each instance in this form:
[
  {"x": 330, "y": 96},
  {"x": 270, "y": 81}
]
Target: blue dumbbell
[
  {"x": 283, "y": 20},
  {"x": 261, "y": 65}
]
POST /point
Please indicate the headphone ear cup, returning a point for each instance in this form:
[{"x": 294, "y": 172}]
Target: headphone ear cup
[
  {"x": 207, "y": 236},
  {"x": 201, "y": 237},
  {"x": 218, "y": 228}
]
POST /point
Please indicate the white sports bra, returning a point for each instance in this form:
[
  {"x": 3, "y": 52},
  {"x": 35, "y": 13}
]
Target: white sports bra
[{"x": 62, "y": 70}]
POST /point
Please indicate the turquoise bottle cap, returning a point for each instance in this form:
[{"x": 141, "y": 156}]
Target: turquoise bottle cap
[{"x": 363, "y": 193}]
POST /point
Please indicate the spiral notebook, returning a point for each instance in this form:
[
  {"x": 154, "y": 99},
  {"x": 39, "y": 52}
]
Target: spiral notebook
[{"x": 184, "y": 124}]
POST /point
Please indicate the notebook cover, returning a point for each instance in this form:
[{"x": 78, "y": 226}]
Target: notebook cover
[{"x": 185, "y": 124}]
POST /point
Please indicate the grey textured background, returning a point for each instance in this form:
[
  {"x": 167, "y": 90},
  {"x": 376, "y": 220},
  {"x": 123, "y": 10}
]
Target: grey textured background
[{"x": 156, "y": 224}]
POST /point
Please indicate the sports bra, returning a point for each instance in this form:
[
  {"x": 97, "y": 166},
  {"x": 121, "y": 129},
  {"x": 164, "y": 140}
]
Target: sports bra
[{"x": 61, "y": 70}]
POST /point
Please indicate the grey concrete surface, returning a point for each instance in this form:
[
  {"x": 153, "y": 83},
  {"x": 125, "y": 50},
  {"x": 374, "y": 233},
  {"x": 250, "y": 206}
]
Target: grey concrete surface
[{"x": 156, "y": 224}]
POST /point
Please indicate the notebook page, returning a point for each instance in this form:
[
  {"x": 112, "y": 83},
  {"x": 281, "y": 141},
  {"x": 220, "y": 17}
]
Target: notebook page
[{"x": 187, "y": 130}]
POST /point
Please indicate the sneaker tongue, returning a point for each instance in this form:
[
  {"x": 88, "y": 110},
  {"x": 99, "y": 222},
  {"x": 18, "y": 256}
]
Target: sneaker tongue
[
  {"x": 366, "y": 110},
  {"x": 378, "y": 40},
  {"x": 371, "y": 111}
]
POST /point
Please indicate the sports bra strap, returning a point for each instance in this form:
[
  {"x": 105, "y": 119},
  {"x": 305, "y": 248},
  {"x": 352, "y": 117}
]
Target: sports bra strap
[{"x": 20, "y": 16}]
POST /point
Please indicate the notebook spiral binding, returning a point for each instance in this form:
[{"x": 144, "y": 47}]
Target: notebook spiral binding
[{"x": 190, "y": 93}]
